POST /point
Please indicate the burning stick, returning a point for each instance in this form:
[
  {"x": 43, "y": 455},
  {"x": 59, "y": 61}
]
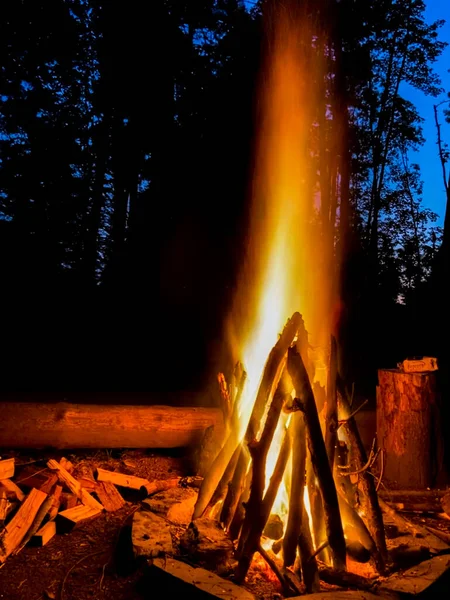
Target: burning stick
[
  {"x": 236, "y": 487},
  {"x": 331, "y": 419},
  {"x": 256, "y": 518},
  {"x": 319, "y": 458},
  {"x": 369, "y": 497}
]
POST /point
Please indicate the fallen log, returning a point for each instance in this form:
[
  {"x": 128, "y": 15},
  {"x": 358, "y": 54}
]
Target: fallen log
[{"x": 64, "y": 425}]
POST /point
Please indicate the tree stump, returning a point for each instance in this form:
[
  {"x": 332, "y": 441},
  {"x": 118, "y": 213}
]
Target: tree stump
[{"x": 407, "y": 428}]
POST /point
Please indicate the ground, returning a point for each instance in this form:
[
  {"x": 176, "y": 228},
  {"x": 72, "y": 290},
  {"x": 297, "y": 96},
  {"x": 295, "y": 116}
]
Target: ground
[{"x": 94, "y": 561}]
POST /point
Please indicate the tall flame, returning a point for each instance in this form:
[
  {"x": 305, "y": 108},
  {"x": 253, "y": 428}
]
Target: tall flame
[{"x": 288, "y": 259}]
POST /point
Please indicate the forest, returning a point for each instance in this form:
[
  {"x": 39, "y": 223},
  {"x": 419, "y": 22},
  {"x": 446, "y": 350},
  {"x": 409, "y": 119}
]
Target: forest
[{"x": 126, "y": 154}]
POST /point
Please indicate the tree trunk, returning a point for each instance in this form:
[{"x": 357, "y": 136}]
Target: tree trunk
[{"x": 406, "y": 428}]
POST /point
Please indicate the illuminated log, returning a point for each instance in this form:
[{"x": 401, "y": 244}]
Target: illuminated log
[
  {"x": 316, "y": 444},
  {"x": 235, "y": 487},
  {"x": 368, "y": 496},
  {"x": 331, "y": 418},
  {"x": 63, "y": 425},
  {"x": 407, "y": 428},
  {"x": 268, "y": 385},
  {"x": 308, "y": 561}
]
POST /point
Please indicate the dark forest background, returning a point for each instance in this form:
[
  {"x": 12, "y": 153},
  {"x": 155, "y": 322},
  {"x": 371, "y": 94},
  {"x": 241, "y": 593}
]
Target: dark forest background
[{"x": 126, "y": 144}]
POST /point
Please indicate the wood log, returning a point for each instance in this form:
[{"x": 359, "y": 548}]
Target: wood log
[
  {"x": 36, "y": 524},
  {"x": 33, "y": 476},
  {"x": 56, "y": 503},
  {"x": 235, "y": 487},
  {"x": 17, "y": 528},
  {"x": 74, "y": 485},
  {"x": 127, "y": 481},
  {"x": 68, "y": 519},
  {"x": 6, "y": 465},
  {"x": 344, "y": 578},
  {"x": 109, "y": 496},
  {"x": 68, "y": 500},
  {"x": 44, "y": 535},
  {"x": 308, "y": 563},
  {"x": 295, "y": 514},
  {"x": 11, "y": 486},
  {"x": 407, "y": 429},
  {"x": 66, "y": 464},
  {"x": 316, "y": 444},
  {"x": 63, "y": 425},
  {"x": 331, "y": 418},
  {"x": 269, "y": 382},
  {"x": 255, "y": 519},
  {"x": 369, "y": 496},
  {"x": 159, "y": 485}
]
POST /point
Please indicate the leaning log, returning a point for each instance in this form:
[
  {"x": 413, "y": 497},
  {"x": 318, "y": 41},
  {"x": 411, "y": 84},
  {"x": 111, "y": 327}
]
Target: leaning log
[
  {"x": 369, "y": 496},
  {"x": 63, "y": 425},
  {"x": 316, "y": 443}
]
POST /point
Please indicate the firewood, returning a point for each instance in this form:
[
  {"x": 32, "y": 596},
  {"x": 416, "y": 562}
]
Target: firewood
[
  {"x": 43, "y": 535},
  {"x": 126, "y": 481},
  {"x": 316, "y": 444},
  {"x": 331, "y": 418},
  {"x": 239, "y": 514},
  {"x": 295, "y": 513},
  {"x": 36, "y": 524},
  {"x": 64, "y": 425},
  {"x": 369, "y": 496},
  {"x": 66, "y": 464},
  {"x": 308, "y": 563},
  {"x": 87, "y": 483},
  {"x": 17, "y": 528},
  {"x": 344, "y": 578},
  {"x": 269, "y": 382},
  {"x": 67, "y": 520},
  {"x": 442, "y": 535},
  {"x": 235, "y": 487},
  {"x": 68, "y": 500},
  {"x": 413, "y": 528},
  {"x": 56, "y": 503},
  {"x": 222, "y": 487},
  {"x": 6, "y": 468},
  {"x": 36, "y": 477},
  {"x": 159, "y": 485},
  {"x": 74, "y": 485},
  {"x": 12, "y": 487},
  {"x": 109, "y": 496}
]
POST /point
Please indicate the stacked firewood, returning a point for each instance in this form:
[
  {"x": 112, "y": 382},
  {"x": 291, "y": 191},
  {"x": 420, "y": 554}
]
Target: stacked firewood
[{"x": 41, "y": 502}]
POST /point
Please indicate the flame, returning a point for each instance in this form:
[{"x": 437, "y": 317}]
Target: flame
[{"x": 287, "y": 266}]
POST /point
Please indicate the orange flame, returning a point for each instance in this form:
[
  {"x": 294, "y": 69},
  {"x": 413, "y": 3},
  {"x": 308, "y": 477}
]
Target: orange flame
[{"x": 288, "y": 257}]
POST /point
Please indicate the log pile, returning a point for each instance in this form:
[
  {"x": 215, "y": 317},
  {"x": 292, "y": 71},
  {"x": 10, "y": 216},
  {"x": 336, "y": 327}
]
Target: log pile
[{"x": 42, "y": 502}]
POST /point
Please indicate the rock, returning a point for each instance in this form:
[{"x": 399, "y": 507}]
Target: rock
[
  {"x": 274, "y": 528},
  {"x": 180, "y": 580},
  {"x": 207, "y": 543},
  {"x": 175, "y": 504},
  {"x": 431, "y": 576},
  {"x": 150, "y": 535}
]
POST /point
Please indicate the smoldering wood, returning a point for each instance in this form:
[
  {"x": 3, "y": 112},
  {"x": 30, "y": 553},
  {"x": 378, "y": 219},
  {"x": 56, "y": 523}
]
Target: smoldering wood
[
  {"x": 344, "y": 578},
  {"x": 369, "y": 496},
  {"x": 64, "y": 425},
  {"x": 316, "y": 444}
]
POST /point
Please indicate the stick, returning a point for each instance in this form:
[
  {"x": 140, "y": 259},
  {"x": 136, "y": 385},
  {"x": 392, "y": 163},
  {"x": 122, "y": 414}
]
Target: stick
[
  {"x": 236, "y": 487},
  {"x": 369, "y": 496},
  {"x": 308, "y": 561},
  {"x": 239, "y": 514},
  {"x": 331, "y": 419},
  {"x": 294, "y": 523},
  {"x": 246, "y": 546},
  {"x": 287, "y": 584},
  {"x": 333, "y": 524},
  {"x": 222, "y": 487}
]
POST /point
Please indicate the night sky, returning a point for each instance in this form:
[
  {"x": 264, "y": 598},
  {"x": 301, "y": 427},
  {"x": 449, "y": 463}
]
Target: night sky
[{"x": 427, "y": 157}]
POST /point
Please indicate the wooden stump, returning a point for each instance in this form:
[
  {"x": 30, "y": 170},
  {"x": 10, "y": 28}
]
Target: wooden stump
[{"x": 407, "y": 429}]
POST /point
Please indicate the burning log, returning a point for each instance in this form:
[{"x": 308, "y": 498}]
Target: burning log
[
  {"x": 319, "y": 458},
  {"x": 235, "y": 487},
  {"x": 269, "y": 382},
  {"x": 331, "y": 419},
  {"x": 308, "y": 561},
  {"x": 344, "y": 578},
  {"x": 369, "y": 496}
]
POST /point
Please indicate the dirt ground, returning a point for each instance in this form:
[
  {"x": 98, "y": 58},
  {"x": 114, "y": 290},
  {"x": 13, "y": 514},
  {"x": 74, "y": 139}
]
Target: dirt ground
[{"x": 95, "y": 560}]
